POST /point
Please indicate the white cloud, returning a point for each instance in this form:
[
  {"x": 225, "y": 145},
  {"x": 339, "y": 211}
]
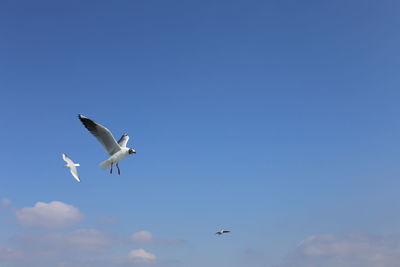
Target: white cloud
[
  {"x": 141, "y": 256},
  {"x": 49, "y": 215},
  {"x": 349, "y": 250}
]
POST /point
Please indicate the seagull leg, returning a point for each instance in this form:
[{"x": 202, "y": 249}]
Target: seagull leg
[
  {"x": 119, "y": 172},
  {"x": 111, "y": 168}
]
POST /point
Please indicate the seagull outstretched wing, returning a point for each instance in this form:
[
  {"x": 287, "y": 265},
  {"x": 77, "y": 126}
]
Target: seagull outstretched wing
[
  {"x": 123, "y": 141},
  {"x": 103, "y": 135}
]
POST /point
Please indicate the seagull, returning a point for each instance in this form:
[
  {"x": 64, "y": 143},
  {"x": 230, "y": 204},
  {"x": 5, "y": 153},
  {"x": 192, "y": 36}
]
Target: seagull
[
  {"x": 222, "y": 232},
  {"x": 72, "y": 167},
  {"x": 117, "y": 150}
]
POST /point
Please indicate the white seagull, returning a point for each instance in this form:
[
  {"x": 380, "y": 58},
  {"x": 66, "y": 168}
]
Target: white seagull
[
  {"x": 222, "y": 232},
  {"x": 117, "y": 150},
  {"x": 72, "y": 167}
]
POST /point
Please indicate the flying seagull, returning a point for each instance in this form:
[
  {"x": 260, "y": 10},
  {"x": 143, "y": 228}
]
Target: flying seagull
[
  {"x": 72, "y": 167},
  {"x": 117, "y": 150},
  {"x": 222, "y": 232}
]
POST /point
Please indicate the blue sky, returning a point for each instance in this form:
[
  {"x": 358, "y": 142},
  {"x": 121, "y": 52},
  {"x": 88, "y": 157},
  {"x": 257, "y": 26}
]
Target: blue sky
[{"x": 278, "y": 120}]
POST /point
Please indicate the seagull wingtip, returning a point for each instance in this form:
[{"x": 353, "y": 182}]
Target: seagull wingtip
[{"x": 80, "y": 116}]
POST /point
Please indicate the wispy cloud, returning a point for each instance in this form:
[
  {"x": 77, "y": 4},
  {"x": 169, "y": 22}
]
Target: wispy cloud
[
  {"x": 52, "y": 246},
  {"x": 81, "y": 240},
  {"x": 351, "y": 250},
  {"x": 107, "y": 220},
  {"x": 82, "y": 247},
  {"x": 4, "y": 202},
  {"x": 146, "y": 237},
  {"x": 49, "y": 215},
  {"x": 9, "y": 254},
  {"x": 142, "y": 237}
]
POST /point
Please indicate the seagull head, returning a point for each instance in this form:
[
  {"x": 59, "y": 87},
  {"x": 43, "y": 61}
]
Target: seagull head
[{"x": 131, "y": 151}]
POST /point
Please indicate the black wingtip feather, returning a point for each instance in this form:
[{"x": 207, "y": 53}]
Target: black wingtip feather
[{"x": 88, "y": 123}]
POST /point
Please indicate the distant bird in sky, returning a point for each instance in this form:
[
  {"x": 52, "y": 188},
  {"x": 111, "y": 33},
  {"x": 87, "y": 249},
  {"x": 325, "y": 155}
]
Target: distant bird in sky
[
  {"x": 117, "y": 150},
  {"x": 72, "y": 167},
  {"x": 222, "y": 232}
]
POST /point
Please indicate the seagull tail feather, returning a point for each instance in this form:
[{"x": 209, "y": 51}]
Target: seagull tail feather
[{"x": 105, "y": 164}]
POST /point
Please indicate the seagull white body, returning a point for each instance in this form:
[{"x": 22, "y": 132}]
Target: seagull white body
[
  {"x": 222, "y": 232},
  {"x": 115, "y": 158},
  {"x": 117, "y": 150},
  {"x": 72, "y": 167}
]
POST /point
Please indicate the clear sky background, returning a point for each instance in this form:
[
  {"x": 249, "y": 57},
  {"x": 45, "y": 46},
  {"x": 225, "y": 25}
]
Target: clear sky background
[{"x": 277, "y": 120}]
